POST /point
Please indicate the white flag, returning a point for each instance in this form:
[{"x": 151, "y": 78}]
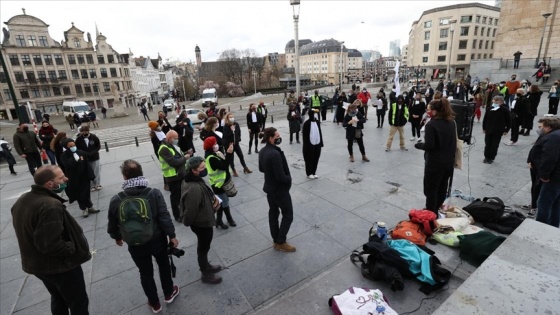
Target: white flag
[{"x": 397, "y": 83}]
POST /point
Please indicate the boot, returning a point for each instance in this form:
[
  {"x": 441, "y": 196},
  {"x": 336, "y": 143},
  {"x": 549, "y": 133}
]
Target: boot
[
  {"x": 219, "y": 222},
  {"x": 246, "y": 170},
  {"x": 527, "y": 132},
  {"x": 229, "y": 218},
  {"x": 208, "y": 277},
  {"x": 256, "y": 149},
  {"x": 522, "y": 131},
  {"x": 214, "y": 268},
  {"x": 351, "y": 158},
  {"x": 235, "y": 173},
  {"x": 364, "y": 158}
]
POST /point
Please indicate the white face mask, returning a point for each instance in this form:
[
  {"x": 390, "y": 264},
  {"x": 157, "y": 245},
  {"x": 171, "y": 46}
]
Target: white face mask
[
  {"x": 417, "y": 102},
  {"x": 216, "y": 147}
]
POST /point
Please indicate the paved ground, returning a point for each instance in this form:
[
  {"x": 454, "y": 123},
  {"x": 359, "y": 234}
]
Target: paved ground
[{"x": 332, "y": 217}]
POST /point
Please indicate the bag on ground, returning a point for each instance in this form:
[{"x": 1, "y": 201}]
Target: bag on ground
[
  {"x": 475, "y": 248},
  {"x": 409, "y": 230},
  {"x": 360, "y": 301},
  {"x": 486, "y": 210},
  {"x": 426, "y": 218},
  {"x": 507, "y": 223},
  {"x": 135, "y": 218}
]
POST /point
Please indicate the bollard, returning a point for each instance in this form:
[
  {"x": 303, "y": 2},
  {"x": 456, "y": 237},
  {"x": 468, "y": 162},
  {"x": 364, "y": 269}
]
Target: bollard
[
  {"x": 272, "y": 103},
  {"x": 106, "y": 147},
  {"x": 228, "y": 109},
  {"x": 240, "y": 108},
  {"x": 136, "y": 140},
  {"x": 272, "y": 119}
]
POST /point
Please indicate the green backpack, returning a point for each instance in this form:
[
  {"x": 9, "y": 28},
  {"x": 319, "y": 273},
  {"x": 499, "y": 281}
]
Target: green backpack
[{"x": 135, "y": 218}]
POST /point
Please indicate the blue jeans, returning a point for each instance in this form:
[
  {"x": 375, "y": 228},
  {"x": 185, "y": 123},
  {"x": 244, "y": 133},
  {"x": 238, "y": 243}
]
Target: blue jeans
[
  {"x": 51, "y": 155},
  {"x": 548, "y": 204},
  {"x": 510, "y": 99},
  {"x": 335, "y": 108}
]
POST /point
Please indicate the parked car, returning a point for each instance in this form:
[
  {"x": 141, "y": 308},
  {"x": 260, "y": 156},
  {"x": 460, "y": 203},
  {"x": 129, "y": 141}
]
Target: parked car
[
  {"x": 192, "y": 113},
  {"x": 170, "y": 104}
]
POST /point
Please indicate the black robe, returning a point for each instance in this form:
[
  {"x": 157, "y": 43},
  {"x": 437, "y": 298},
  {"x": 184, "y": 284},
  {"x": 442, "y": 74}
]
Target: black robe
[{"x": 79, "y": 175}]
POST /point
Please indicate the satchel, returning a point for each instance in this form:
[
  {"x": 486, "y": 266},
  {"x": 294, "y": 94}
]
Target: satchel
[
  {"x": 229, "y": 188},
  {"x": 458, "y": 151},
  {"x": 358, "y": 133}
]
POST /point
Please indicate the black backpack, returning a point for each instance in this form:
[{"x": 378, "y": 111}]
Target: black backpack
[
  {"x": 486, "y": 210},
  {"x": 507, "y": 223}
]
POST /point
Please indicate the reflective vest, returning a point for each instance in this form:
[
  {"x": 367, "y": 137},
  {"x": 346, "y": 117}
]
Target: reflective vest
[
  {"x": 216, "y": 178},
  {"x": 168, "y": 170},
  {"x": 503, "y": 91},
  {"x": 395, "y": 109},
  {"x": 315, "y": 101}
]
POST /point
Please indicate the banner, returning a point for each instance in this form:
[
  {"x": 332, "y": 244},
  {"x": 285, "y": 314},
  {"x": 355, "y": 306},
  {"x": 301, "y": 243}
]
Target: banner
[{"x": 397, "y": 83}]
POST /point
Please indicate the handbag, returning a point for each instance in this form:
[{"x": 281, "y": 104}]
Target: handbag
[
  {"x": 358, "y": 133},
  {"x": 229, "y": 188},
  {"x": 458, "y": 151}
]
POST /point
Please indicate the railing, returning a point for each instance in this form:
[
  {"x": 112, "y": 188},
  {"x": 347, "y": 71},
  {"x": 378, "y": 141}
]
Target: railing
[{"x": 523, "y": 62}]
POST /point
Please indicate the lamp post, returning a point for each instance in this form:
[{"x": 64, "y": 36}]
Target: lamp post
[
  {"x": 546, "y": 15},
  {"x": 452, "y": 22},
  {"x": 295, "y": 8},
  {"x": 340, "y": 68},
  {"x": 255, "y": 80}
]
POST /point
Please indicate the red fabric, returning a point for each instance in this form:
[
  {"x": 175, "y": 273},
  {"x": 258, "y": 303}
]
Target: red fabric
[
  {"x": 364, "y": 97},
  {"x": 426, "y": 218}
]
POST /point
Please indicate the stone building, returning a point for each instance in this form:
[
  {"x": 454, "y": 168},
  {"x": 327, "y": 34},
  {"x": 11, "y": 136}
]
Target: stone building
[
  {"x": 45, "y": 72},
  {"x": 146, "y": 80}
]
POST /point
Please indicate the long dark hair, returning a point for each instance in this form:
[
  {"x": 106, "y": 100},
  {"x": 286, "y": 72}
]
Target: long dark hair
[
  {"x": 266, "y": 134},
  {"x": 443, "y": 109}
]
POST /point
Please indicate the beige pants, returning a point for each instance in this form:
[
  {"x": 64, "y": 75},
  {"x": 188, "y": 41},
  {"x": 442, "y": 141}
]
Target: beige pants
[{"x": 392, "y": 132}]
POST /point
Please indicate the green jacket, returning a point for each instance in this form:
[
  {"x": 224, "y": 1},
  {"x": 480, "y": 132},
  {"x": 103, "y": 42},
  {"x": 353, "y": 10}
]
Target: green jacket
[
  {"x": 398, "y": 117},
  {"x": 26, "y": 142},
  {"x": 196, "y": 202}
]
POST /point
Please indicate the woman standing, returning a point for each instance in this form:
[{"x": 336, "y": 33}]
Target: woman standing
[
  {"x": 534, "y": 97},
  {"x": 232, "y": 136},
  {"x": 491, "y": 91},
  {"x": 254, "y": 122},
  {"x": 312, "y": 144},
  {"x": 417, "y": 110},
  {"x": 341, "y": 111},
  {"x": 56, "y": 146},
  {"x": 553, "y": 99},
  {"x": 294, "y": 121},
  {"x": 198, "y": 213},
  {"x": 47, "y": 134},
  {"x": 210, "y": 131},
  {"x": 495, "y": 124},
  {"x": 163, "y": 122},
  {"x": 478, "y": 104},
  {"x": 79, "y": 173},
  {"x": 381, "y": 108},
  {"x": 439, "y": 144},
  {"x": 354, "y": 123}
]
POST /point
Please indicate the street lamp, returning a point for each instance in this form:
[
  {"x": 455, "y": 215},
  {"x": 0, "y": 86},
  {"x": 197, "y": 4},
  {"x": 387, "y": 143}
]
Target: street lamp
[
  {"x": 295, "y": 8},
  {"x": 546, "y": 15},
  {"x": 340, "y": 65},
  {"x": 452, "y": 22},
  {"x": 255, "y": 80}
]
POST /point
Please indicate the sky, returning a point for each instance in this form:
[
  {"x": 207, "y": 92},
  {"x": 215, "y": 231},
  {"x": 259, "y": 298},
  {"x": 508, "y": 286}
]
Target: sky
[{"x": 174, "y": 28}]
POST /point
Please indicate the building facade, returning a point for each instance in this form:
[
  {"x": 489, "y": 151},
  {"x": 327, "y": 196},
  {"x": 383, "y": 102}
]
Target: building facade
[
  {"x": 146, "y": 80},
  {"x": 453, "y": 36},
  {"x": 395, "y": 48},
  {"x": 45, "y": 73}
]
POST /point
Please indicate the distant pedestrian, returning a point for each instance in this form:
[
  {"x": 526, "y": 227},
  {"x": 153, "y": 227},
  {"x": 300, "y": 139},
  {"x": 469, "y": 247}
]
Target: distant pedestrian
[
  {"x": 312, "y": 145},
  {"x": 46, "y": 134},
  {"x": 144, "y": 112},
  {"x": 27, "y": 145},
  {"x": 397, "y": 117},
  {"x": 553, "y": 99},
  {"x": 365, "y": 98},
  {"x": 90, "y": 144},
  {"x": 5, "y": 152},
  {"x": 294, "y": 121},
  {"x": 341, "y": 111},
  {"x": 264, "y": 113},
  {"x": 93, "y": 119},
  {"x": 77, "y": 120},
  {"x": 232, "y": 136},
  {"x": 254, "y": 123},
  {"x": 519, "y": 110},
  {"x": 495, "y": 124},
  {"x": 104, "y": 112},
  {"x": 417, "y": 110},
  {"x": 335, "y": 104},
  {"x": 380, "y": 107},
  {"x": 354, "y": 123},
  {"x": 516, "y": 58},
  {"x": 534, "y": 97},
  {"x": 70, "y": 121}
]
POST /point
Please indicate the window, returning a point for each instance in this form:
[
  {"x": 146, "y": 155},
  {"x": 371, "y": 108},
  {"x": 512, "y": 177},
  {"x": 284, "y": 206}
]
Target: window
[
  {"x": 35, "y": 92},
  {"x": 31, "y": 76},
  {"x": 19, "y": 76},
  {"x": 106, "y": 87},
  {"x": 81, "y": 59},
  {"x": 89, "y": 59},
  {"x": 490, "y": 21},
  {"x": 77, "y": 43},
  {"x": 443, "y": 21},
  {"x": 478, "y": 19},
  {"x": 464, "y": 31},
  {"x": 478, "y": 56},
  {"x": 66, "y": 90},
  {"x": 488, "y": 32},
  {"x": 424, "y": 59},
  {"x": 71, "y": 59},
  {"x": 56, "y": 91},
  {"x": 14, "y": 60},
  {"x": 440, "y": 58},
  {"x": 42, "y": 76},
  {"x": 58, "y": 60},
  {"x": 492, "y": 46},
  {"x": 62, "y": 75},
  {"x": 3, "y": 78},
  {"x": 113, "y": 72},
  {"x": 52, "y": 74},
  {"x": 483, "y": 20},
  {"x": 43, "y": 41},
  {"x": 461, "y": 57},
  {"x": 476, "y": 30},
  {"x": 92, "y": 73},
  {"x": 472, "y": 56},
  {"x": 26, "y": 60},
  {"x": 496, "y": 22},
  {"x": 24, "y": 93},
  {"x": 95, "y": 87},
  {"x": 32, "y": 40},
  {"x": 84, "y": 73},
  {"x": 78, "y": 88},
  {"x": 494, "y": 32},
  {"x": 48, "y": 60},
  {"x": 474, "y": 44},
  {"x": 442, "y": 45},
  {"x": 427, "y": 35},
  {"x": 100, "y": 59},
  {"x": 8, "y": 94},
  {"x": 103, "y": 72},
  {"x": 87, "y": 88},
  {"x": 46, "y": 92},
  {"x": 427, "y": 24},
  {"x": 426, "y": 47},
  {"x": 484, "y": 56},
  {"x": 443, "y": 33},
  {"x": 20, "y": 40},
  {"x": 463, "y": 44},
  {"x": 110, "y": 59},
  {"x": 480, "y": 45},
  {"x": 490, "y": 56},
  {"x": 75, "y": 74},
  {"x": 37, "y": 60},
  {"x": 486, "y": 45},
  {"x": 466, "y": 18}
]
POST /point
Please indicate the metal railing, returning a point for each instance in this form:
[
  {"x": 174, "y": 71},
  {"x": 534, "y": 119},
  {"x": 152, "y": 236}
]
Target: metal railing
[{"x": 523, "y": 62}]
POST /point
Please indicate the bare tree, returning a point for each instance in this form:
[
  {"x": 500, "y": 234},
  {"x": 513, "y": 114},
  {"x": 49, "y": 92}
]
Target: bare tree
[
  {"x": 234, "y": 89},
  {"x": 230, "y": 65}
]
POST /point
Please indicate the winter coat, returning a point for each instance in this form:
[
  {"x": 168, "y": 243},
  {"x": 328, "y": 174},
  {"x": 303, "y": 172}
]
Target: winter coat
[
  {"x": 254, "y": 126},
  {"x": 273, "y": 163},
  {"x": 417, "y": 109},
  {"x": 397, "y": 117},
  {"x": 196, "y": 202},
  {"x": 26, "y": 142},
  {"x": 46, "y": 135},
  {"x": 534, "y": 100},
  {"x": 176, "y": 160},
  {"x": 496, "y": 121},
  {"x": 439, "y": 144},
  {"x": 294, "y": 120},
  {"x": 92, "y": 148},
  {"x": 351, "y": 128},
  {"x": 231, "y": 136},
  {"x": 186, "y": 136},
  {"x": 549, "y": 167},
  {"x": 79, "y": 175},
  {"x": 340, "y": 111}
]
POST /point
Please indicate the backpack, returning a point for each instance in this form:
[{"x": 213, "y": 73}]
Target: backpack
[
  {"x": 426, "y": 218},
  {"x": 409, "y": 230},
  {"x": 486, "y": 210},
  {"x": 507, "y": 223},
  {"x": 135, "y": 218},
  {"x": 475, "y": 248}
]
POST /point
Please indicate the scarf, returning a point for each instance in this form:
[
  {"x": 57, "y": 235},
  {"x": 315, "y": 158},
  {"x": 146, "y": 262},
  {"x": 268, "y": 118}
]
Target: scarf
[
  {"x": 139, "y": 181},
  {"x": 314, "y": 135}
]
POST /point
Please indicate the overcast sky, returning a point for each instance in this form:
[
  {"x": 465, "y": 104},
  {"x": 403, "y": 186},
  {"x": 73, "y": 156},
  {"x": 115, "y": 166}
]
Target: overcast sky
[{"x": 174, "y": 28}]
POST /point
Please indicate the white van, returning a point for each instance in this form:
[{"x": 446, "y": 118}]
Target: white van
[
  {"x": 71, "y": 107},
  {"x": 209, "y": 95}
]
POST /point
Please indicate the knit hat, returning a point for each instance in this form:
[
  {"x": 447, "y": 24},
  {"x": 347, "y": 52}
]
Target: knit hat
[
  {"x": 153, "y": 124},
  {"x": 65, "y": 142},
  {"x": 194, "y": 162},
  {"x": 209, "y": 143}
]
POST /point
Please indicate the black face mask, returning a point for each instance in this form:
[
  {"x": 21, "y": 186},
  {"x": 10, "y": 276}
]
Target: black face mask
[
  {"x": 519, "y": 94},
  {"x": 25, "y": 129},
  {"x": 277, "y": 141}
]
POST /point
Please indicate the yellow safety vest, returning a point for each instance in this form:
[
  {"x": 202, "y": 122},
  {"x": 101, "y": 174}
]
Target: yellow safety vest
[
  {"x": 168, "y": 170},
  {"x": 394, "y": 107},
  {"x": 316, "y": 101},
  {"x": 217, "y": 178}
]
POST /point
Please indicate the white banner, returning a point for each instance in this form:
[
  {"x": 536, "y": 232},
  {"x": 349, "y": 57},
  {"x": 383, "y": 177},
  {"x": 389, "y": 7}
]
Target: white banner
[{"x": 397, "y": 83}]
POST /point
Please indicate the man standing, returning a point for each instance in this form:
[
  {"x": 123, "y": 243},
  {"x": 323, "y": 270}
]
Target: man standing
[
  {"x": 52, "y": 244},
  {"x": 398, "y": 116},
  {"x": 316, "y": 103},
  {"x": 364, "y": 97},
  {"x": 519, "y": 110},
  {"x": 516, "y": 58},
  {"x": 264, "y": 112},
  {"x": 89, "y": 143},
  {"x": 548, "y": 170},
  {"x": 429, "y": 93},
  {"x": 512, "y": 86},
  {"x": 136, "y": 186},
  {"x": 27, "y": 146}
]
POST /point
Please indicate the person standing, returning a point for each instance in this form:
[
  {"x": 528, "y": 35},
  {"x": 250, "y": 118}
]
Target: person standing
[
  {"x": 89, "y": 143},
  {"x": 533, "y": 161},
  {"x": 52, "y": 244},
  {"x": 292, "y": 99},
  {"x": 93, "y": 119},
  {"x": 417, "y": 110},
  {"x": 478, "y": 105},
  {"x": 316, "y": 102},
  {"x": 144, "y": 112},
  {"x": 341, "y": 112},
  {"x": 553, "y": 99},
  {"x": 548, "y": 171},
  {"x": 56, "y": 146},
  {"x": 198, "y": 204},
  {"x": 46, "y": 134},
  {"x": 80, "y": 175},
  {"x": 277, "y": 184},
  {"x": 104, "y": 112},
  {"x": 232, "y": 136},
  {"x": 136, "y": 185},
  {"x": 173, "y": 162},
  {"x": 534, "y": 98},
  {"x": 512, "y": 86},
  {"x": 381, "y": 108},
  {"x": 398, "y": 116},
  {"x": 163, "y": 122},
  {"x": 27, "y": 145},
  {"x": 516, "y": 58},
  {"x": 495, "y": 124},
  {"x": 77, "y": 120},
  {"x": 186, "y": 135},
  {"x": 261, "y": 109},
  {"x": 439, "y": 153},
  {"x": 354, "y": 123},
  {"x": 335, "y": 104},
  {"x": 429, "y": 95},
  {"x": 519, "y": 110},
  {"x": 5, "y": 152},
  {"x": 294, "y": 121},
  {"x": 364, "y": 97},
  {"x": 70, "y": 121},
  {"x": 312, "y": 144},
  {"x": 254, "y": 123}
]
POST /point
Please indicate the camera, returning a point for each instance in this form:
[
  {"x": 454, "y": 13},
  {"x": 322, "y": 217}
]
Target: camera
[{"x": 175, "y": 251}]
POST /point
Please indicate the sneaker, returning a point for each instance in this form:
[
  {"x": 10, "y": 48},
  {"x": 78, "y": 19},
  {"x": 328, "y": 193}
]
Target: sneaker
[
  {"x": 311, "y": 177},
  {"x": 93, "y": 210},
  {"x": 156, "y": 308},
  {"x": 387, "y": 149},
  {"x": 404, "y": 149},
  {"x": 315, "y": 176},
  {"x": 284, "y": 247},
  {"x": 532, "y": 212},
  {"x": 510, "y": 143},
  {"x": 169, "y": 299},
  {"x": 85, "y": 213},
  {"x": 526, "y": 207},
  {"x": 413, "y": 139}
]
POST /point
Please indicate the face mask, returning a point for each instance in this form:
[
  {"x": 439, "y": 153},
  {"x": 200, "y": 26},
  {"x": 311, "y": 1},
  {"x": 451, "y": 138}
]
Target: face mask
[
  {"x": 513, "y": 78},
  {"x": 277, "y": 141},
  {"x": 86, "y": 135},
  {"x": 540, "y": 131},
  {"x": 417, "y": 102},
  {"x": 215, "y": 147},
  {"x": 60, "y": 188},
  {"x": 232, "y": 120},
  {"x": 495, "y": 105},
  {"x": 501, "y": 85},
  {"x": 175, "y": 141},
  {"x": 74, "y": 149},
  {"x": 203, "y": 173}
]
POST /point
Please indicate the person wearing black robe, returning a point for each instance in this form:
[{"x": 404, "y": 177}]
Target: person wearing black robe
[{"x": 312, "y": 144}]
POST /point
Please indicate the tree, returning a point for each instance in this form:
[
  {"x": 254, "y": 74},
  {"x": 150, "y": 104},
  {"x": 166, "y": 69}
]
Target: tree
[
  {"x": 230, "y": 65},
  {"x": 234, "y": 89},
  {"x": 208, "y": 85}
]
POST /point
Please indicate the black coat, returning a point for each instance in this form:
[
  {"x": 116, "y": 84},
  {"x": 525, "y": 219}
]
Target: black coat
[
  {"x": 416, "y": 109},
  {"x": 534, "y": 99},
  {"x": 231, "y": 136},
  {"x": 93, "y": 147},
  {"x": 496, "y": 121},
  {"x": 439, "y": 144},
  {"x": 205, "y": 134},
  {"x": 254, "y": 126},
  {"x": 535, "y": 155},
  {"x": 185, "y": 136},
  {"x": 351, "y": 128},
  {"x": 549, "y": 167},
  {"x": 164, "y": 124},
  {"x": 273, "y": 164},
  {"x": 294, "y": 121},
  {"x": 340, "y": 110},
  {"x": 522, "y": 107},
  {"x": 79, "y": 175}
]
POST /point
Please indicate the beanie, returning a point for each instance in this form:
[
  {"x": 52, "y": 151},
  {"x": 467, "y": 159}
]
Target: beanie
[
  {"x": 209, "y": 143},
  {"x": 194, "y": 162},
  {"x": 153, "y": 124},
  {"x": 65, "y": 142}
]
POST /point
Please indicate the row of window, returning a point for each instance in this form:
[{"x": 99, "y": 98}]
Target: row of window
[
  {"x": 464, "y": 31},
  {"x": 460, "y": 57},
  {"x": 58, "y": 91},
  {"x": 52, "y": 75},
  {"x": 465, "y": 19},
  {"x": 463, "y": 44},
  {"x": 31, "y": 41},
  {"x": 39, "y": 59}
]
